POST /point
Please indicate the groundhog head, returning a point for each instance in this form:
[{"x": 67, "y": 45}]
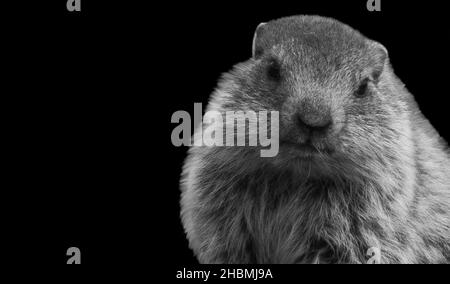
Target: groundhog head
[{"x": 338, "y": 109}]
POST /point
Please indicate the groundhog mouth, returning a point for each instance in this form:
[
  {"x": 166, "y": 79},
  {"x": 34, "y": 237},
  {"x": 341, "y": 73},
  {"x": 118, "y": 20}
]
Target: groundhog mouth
[{"x": 307, "y": 150}]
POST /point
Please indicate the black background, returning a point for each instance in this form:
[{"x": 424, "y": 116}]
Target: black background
[{"x": 94, "y": 92}]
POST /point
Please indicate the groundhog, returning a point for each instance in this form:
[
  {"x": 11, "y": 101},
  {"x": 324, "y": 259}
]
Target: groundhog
[{"x": 359, "y": 168}]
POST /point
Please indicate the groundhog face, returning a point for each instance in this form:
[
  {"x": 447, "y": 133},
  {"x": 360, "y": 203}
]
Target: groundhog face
[{"x": 330, "y": 86}]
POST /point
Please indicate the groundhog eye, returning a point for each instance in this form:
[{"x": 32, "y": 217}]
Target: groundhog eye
[
  {"x": 274, "y": 70},
  {"x": 362, "y": 89}
]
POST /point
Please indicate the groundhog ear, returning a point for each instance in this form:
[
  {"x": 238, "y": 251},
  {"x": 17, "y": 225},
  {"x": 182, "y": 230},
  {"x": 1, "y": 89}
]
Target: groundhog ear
[
  {"x": 257, "y": 49},
  {"x": 379, "y": 59}
]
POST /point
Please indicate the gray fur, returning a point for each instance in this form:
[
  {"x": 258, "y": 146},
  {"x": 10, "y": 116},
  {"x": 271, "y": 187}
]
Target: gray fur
[{"x": 386, "y": 183}]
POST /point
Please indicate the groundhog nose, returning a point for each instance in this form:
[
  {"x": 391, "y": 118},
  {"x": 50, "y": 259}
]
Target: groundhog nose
[{"x": 313, "y": 123}]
